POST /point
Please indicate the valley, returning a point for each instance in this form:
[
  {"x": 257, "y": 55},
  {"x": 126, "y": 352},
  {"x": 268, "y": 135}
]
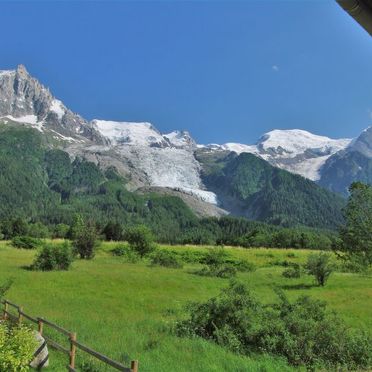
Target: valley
[{"x": 108, "y": 302}]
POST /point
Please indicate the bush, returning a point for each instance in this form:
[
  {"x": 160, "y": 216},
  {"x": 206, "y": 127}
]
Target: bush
[
  {"x": 140, "y": 239},
  {"x": 113, "y": 231},
  {"x": 60, "y": 231},
  {"x": 54, "y": 257},
  {"x": 189, "y": 256},
  {"x": 38, "y": 230},
  {"x": 25, "y": 242},
  {"x": 215, "y": 256},
  {"x": 126, "y": 253},
  {"x": 5, "y": 287},
  {"x": 303, "y": 331},
  {"x": 162, "y": 257},
  {"x": 85, "y": 240},
  {"x": 17, "y": 345},
  {"x": 320, "y": 265},
  {"x": 293, "y": 271},
  {"x": 220, "y": 271},
  {"x": 244, "y": 265}
]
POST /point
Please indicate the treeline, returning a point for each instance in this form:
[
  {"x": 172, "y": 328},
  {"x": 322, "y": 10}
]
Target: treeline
[{"x": 209, "y": 231}]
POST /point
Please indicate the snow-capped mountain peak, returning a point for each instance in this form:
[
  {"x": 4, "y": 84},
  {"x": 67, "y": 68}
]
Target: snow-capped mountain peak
[
  {"x": 295, "y": 150},
  {"x": 293, "y": 142},
  {"x": 181, "y": 139}
]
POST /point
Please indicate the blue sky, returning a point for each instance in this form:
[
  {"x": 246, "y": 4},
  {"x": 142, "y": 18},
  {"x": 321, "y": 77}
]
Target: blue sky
[{"x": 225, "y": 71}]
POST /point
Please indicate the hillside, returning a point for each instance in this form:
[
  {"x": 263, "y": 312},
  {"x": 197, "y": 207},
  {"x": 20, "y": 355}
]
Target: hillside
[
  {"x": 39, "y": 183},
  {"x": 249, "y": 186}
]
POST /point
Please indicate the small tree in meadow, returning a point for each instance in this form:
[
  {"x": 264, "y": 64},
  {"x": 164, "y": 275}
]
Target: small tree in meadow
[
  {"x": 86, "y": 240},
  {"x": 141, "y": 240},
  {"x": 356, "y": 234},
  {"x": 54, "y": 257},
  {"x": 320, "y": 265},
  {"x": 113, "y": 231}
]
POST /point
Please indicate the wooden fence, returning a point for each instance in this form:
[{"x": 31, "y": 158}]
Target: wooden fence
[{"x": 20, "y": 316}]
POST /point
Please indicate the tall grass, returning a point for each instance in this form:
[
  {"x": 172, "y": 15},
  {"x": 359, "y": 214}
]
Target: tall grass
[{"x": 125, "y": 310}]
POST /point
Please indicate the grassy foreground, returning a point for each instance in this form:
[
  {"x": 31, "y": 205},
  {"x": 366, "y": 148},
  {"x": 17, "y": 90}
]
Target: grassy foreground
[{"x": 124, "y": 310}]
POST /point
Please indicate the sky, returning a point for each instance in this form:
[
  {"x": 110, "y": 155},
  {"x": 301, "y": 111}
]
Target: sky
[{"x": 225, "y": 71}]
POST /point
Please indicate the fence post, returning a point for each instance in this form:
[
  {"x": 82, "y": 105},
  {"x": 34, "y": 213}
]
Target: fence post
[
  {"x": 72, "y": 349},
  {"x": 134, "y": 366},
  {"x": 20, "y": 316},
  {"x": 6, "y": 306},
  {"x": 40, "y": 326}
]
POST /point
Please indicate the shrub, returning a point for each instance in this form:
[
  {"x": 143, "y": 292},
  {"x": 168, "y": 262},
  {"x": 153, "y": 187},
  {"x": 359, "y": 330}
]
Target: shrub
[
  {"x": 113, "y": 231},
  {"x": 165, "y": 258},
  {"x": 244, "y": 265},
  {"x": 25, "y": 242},
  {"x": 189, "y": 256},
  {"x": 17, "y": 345},
  {"x": 293, "y": 271},
  {"x": 54, "y": 257},
  {"x": 215, "y": 256},
  {"x": 220, "y": 271},
  {"x": 38, "y": 230},
  {"x": 140, "y": 239},
  {"x": 129, "y": 255},
  {"x": 319, "y": 265},
  {"x": 60, "y": 231},
  {"x": 85, "y": 240},
  {"x": 303, "y": 331},
  {"x": 5, "y": 287}
]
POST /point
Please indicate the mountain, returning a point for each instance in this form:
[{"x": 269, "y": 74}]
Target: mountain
[
  {"x": 24, "y": 100},
  {"x": 212, "y": 180},
  {"x": 247, "y": 185},
  {"x": 350, "y": 165},
  {"x": 294, "y": 150}
]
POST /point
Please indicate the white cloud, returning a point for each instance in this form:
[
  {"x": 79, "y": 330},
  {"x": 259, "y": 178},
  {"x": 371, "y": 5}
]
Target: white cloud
[{"x": 275, "y": 68}]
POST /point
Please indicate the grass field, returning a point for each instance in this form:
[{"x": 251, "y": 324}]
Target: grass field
[{"x": 125, "y": 310}]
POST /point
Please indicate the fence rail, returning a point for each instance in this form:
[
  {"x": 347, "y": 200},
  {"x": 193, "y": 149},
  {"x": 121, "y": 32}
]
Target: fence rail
[{"x": 71, "y": 337}]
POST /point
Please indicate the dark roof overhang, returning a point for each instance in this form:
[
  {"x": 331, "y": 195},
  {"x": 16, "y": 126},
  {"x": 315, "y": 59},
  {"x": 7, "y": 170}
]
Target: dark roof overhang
[{"x": 360, "y": 10}]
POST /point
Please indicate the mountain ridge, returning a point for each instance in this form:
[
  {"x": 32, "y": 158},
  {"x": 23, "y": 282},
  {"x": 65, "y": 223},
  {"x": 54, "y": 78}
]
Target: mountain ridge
[{"x": 146, "y": 158}]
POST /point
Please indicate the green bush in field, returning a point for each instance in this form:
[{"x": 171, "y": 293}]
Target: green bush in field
[
  {"x": 293, "y": 271},
  {"x": 17, "y": 345},
  {"x": 38, "y": 230},
  {"x": 125, "y": 252},
  {"x": 25, "y": 242},
  {"x": 225, "y": 271},
  {"x": 113, "y": 231},
  {"x": 162, "y": 257},
  {"x": 219, "y": 263},
  {"x": 85, "y": 239},
  {"x": 140, "y": 239},
  {"x": 189, "y": 256},
  {"x": 303, "y": 331},
  {"x": 54, "y": 257},
  {"x": 320, "y": 265},
  {"x": 60, "y": 231}
]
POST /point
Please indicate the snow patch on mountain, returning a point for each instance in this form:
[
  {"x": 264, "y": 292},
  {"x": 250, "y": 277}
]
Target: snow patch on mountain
[
  {"x": 27, "y": 119},
  {"x": 6, "y": 72},
  {"x": 139, "y": 134},
  {"x": 58, "y": 108},
  {"x": 180, "y": 139}
]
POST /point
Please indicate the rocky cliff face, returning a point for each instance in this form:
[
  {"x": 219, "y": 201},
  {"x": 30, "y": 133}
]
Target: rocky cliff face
[{"x": 23, "y": 99}]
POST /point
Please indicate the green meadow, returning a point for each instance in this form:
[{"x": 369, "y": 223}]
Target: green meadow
[{"x": 126, "y": 310}]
